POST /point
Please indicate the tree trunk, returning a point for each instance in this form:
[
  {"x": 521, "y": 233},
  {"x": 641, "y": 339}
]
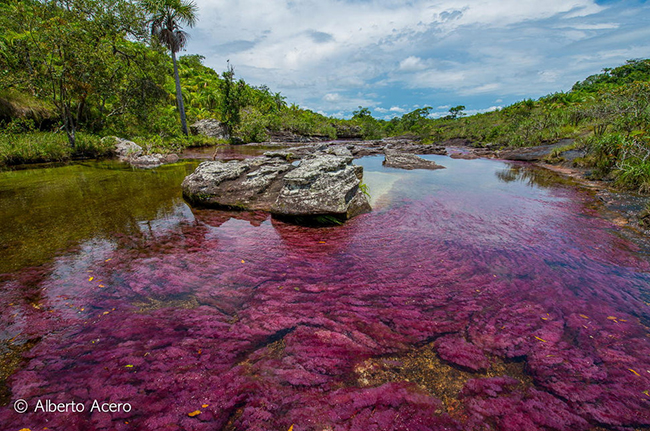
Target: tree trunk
[{"x": 179, "y": 96}]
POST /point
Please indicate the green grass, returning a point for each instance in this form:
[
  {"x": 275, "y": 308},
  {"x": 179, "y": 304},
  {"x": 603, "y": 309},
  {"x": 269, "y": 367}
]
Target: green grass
[{"x": 37, "y": 147}]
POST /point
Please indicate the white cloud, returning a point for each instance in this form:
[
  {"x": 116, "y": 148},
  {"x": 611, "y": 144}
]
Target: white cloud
[
  {"x": 332, "y": 97},
  {"x": 336, "y": 55},
  {"x": 411, "y": 64}
]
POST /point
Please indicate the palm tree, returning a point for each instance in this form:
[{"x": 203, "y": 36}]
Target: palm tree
[{"x": 167, "y": 16}]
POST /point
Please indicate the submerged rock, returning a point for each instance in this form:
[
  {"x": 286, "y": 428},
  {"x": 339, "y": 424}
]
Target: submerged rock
[
  {"x": 408, "y": 161},
  {"x": 321, "y": 185}
]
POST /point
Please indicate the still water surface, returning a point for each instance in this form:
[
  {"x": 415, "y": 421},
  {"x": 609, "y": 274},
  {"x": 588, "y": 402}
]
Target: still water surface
[{"x": 483, "y": 296}]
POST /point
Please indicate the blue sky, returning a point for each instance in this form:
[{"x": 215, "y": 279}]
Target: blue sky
[{"x": 395, "y": 56}]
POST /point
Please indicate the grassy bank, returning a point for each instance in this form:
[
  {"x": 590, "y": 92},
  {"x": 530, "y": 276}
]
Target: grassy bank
[{"x": 37, "y": 147}]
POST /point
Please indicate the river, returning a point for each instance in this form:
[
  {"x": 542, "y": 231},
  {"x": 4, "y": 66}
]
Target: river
[{"x": 487, "y": 295}]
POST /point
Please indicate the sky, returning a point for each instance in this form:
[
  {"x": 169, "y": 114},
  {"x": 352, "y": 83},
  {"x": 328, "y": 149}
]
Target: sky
[{"x": 332, "y": 56}]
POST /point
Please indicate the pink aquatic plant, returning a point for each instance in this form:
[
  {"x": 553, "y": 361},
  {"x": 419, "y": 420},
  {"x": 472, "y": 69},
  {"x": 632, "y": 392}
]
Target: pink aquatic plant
[{"x": 250, "y": 323}]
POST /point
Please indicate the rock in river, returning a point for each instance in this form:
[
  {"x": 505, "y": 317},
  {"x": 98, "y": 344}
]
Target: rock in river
[
  {"x": 325, "y": 184},
  {"x": 321, "y": 185},
  {"x": 408, "y": 161}
]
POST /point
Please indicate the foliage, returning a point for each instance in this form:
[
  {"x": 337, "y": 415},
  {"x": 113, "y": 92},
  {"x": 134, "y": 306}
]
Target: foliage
[{"x": 85, "y": 57}]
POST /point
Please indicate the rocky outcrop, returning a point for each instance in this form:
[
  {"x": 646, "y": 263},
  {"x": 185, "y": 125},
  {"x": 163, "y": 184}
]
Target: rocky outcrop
[
  {"x": 153, "y": 160},
  {"x": 408, "y": 161},
  {"x": 531, "y": 154},
  {"x": 251, "y": 184},
  {"x": 287, "y": 136},
  {"x": 347, "y": 131},
  {"x": 325, "y": 184},
  {"x": 132, "y": 153},
  {"x": 210, "y": 128},
  {"x": 125, "y": 149},
  {"x": 292, "y": 153},
  {"x": 321, "y": 185}
]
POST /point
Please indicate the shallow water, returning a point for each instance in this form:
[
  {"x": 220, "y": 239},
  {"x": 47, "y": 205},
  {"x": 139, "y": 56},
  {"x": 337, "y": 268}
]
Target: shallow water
[{"x": 482, "y": 296}]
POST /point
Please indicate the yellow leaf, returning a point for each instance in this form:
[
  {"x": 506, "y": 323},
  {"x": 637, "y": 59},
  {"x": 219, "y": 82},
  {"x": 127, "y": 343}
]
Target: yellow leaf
[
  {"x": 101, "y": 285},
  {"x": 108, "y": 259},
  {"x": 291, "y": 428},
  {"x": 25, "y": 429},
  {"x": 541, "y": 339},
  {"x": 194, "y": 413},
  {"x": 611, "y": 318},
  {"x": 322, "y": 242},
  {"x": 204, "y": 406},
  {"x": 105, "y": 313},
  {"x": 583, "y": 316},
  {"x": 128, "y": 366},
  {"x": 91, "y": 279},
  {"x": 634, "y": 372},
  {"x": 243, "y": 261}
]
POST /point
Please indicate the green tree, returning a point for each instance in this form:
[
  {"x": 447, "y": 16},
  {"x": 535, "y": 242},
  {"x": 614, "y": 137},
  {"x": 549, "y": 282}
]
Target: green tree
[
  {"x": 167, "y": 18},
  {"x": 233, "y": 100},
  {"x": 361, "y": 113},
  {"x": 456, "y": 111}
]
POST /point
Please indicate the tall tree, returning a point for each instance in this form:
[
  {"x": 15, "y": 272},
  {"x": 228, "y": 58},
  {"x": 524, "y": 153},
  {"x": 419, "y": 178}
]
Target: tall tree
[{"x": 167, "y": 18}]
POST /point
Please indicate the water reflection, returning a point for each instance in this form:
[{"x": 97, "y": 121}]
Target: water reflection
[
  {"x": 532, "y": 176},
  {"x": 49, "y": 209}
]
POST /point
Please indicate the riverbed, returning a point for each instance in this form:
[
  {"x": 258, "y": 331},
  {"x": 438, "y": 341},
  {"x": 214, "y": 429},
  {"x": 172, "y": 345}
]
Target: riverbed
[{"x": 487, "y": 295}]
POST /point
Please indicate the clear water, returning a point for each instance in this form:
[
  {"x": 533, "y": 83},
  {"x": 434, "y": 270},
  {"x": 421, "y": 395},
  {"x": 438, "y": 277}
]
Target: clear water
[{"x": 482, "y": 296}]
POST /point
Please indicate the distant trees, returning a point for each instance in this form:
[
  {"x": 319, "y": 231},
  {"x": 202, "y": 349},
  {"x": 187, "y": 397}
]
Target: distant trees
[{"x": 167, "y": 18}]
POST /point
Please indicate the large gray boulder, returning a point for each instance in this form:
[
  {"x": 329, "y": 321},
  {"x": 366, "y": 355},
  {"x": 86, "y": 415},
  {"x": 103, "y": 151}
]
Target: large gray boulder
[
  {"x": 211, "y": 128},
  {"x": 325, "y": 184},
  {"x": 321, "y": 185},
  {"x": 251, "y": 184},
  {"x": 125, "y": 149}
]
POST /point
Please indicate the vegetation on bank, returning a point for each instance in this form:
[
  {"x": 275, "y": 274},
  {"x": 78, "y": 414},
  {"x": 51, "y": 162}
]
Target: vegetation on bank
[{"x": 72, "y": 71}]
